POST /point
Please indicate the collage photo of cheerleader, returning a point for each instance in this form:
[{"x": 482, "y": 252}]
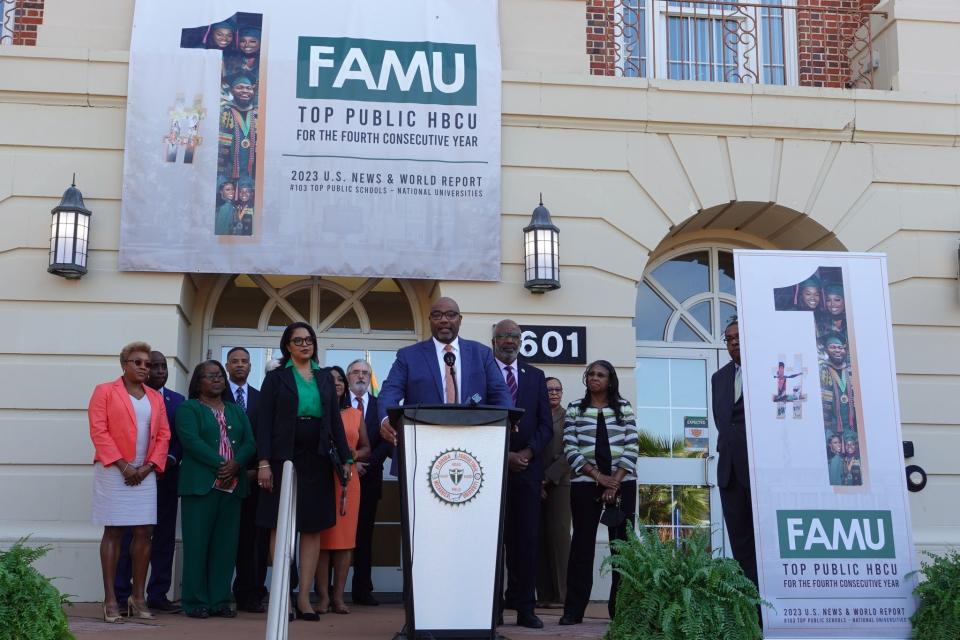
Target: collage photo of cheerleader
[
  {"x": 239, "y": 39},
  {"x": 822, "y": 294}
]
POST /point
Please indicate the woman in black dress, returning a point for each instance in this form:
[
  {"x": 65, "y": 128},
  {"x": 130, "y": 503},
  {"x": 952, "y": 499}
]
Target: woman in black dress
[{"x": 299, "y": 420}]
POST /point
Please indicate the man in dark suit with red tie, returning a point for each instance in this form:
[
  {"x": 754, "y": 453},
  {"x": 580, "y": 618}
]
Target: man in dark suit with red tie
[
  {"x": 359, "y": 374},
  {"x": 521, "y": 529},
  {"x": 164, "y": 533},
  {"x": 733, "y": 467},
  {"x": 253, "y": 545}
]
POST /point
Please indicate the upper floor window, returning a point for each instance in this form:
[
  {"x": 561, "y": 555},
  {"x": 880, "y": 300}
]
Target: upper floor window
[
  {"x": 781, "y": 42},
  {"x": 8, "y": 15},
  {"x": 712, "y": 41}
]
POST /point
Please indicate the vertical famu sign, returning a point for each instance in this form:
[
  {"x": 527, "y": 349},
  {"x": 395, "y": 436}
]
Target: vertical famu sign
[
  {"x": 831, "y": 516},
  {"x": 314, "y": 137}
]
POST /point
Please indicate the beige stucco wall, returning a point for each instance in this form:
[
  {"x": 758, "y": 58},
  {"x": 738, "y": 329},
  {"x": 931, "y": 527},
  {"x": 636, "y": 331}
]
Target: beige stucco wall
[{"x": 621, "y": 163}]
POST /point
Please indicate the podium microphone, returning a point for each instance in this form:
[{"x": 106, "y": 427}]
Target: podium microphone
[{"x": 450, "y": 359}]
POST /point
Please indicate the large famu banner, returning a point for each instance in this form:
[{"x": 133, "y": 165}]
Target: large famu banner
[
  {"x": 831, "y": 516},
  {"x": 314, "y": 137}
]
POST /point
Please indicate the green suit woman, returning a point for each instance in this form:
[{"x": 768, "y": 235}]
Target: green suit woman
[{"x": 217, "y": 444}]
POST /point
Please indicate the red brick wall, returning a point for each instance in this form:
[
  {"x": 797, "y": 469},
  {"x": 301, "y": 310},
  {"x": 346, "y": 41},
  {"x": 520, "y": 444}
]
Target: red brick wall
[
  {"x": 28, "y": 15},
  {"x": 824, "y": 35}
]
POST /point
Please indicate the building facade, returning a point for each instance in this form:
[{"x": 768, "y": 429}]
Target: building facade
[{"x": 657, "y": 153}]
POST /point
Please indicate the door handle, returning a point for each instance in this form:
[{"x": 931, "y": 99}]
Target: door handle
[{"x": 706, "y": 471}]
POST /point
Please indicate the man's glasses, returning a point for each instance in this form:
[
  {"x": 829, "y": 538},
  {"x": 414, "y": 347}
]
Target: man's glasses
[
  {"x": 137, "y": 362},
  {"x": 449, "y": 315},
  {"x": 731, "y": 339},
  {"x": 507, "y": 336},
  {"x": 299, "y": 342}
]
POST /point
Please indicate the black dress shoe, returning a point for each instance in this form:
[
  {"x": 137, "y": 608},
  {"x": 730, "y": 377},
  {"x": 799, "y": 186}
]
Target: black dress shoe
[
  {"x": 254, "y": 606},
  {"x": 224, "y": 612},
  {"x": 163, "y": 605},
  {"x": 567, "y": 619},
  {"x": 365, "y": 599},
  {"x": 310, "y": 617},
  {"x": 529, "y": 620},
  {"x": 199, "y": 612}
]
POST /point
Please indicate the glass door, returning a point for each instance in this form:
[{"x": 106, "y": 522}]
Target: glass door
[{"x": 676, "y": 473}]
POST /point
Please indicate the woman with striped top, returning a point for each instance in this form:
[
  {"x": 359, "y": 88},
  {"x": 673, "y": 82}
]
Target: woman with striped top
[{"x": 600, "y": 442}]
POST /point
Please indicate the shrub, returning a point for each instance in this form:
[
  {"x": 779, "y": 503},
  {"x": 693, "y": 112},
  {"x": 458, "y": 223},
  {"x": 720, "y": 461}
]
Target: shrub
[
  {"x": 31, "y": 608},
  {"x": 938, "y": 615},
  {"x": 671, "y": 592}
]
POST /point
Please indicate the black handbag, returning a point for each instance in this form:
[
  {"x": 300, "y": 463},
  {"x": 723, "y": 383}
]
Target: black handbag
[{"x": 612, "y": 515}]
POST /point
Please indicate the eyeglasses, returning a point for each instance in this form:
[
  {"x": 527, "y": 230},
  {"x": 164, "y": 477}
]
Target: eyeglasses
[
  {"x": 507, "y": 336},
  {"x": 299, "y": 342},
  {"x": 731, "y": 339},
  {"x": 213, "y": 377},
  {"x": 449, "y": 315},
  {"x": 549, "y": 390},
  {"x": 359, "y": 373},
  {"x": 137, "y": 362}
]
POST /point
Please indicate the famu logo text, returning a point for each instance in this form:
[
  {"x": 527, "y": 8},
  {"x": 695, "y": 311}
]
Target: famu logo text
[
  {"x": 386, "y": 71},
  {"x": 835, "y": 534}
]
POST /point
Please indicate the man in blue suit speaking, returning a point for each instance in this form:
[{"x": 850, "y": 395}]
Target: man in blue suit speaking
[{"x": 421, "y": 375}]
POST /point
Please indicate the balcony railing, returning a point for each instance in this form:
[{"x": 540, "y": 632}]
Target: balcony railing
[
  {"x": 8, "y": 12},
  {"x": 768, "y": 42}
]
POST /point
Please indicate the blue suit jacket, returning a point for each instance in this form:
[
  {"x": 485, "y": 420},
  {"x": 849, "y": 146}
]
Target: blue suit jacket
[
  {"x": 172, "y": 400},
  {"x": 415, "y": 378}
]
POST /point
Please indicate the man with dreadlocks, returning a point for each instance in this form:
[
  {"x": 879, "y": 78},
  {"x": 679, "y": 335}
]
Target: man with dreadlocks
[{"x": 238, "y": 130}]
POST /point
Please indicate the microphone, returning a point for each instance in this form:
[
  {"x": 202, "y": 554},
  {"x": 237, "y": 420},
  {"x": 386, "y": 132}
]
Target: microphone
[{"x": 450, "y": 359}]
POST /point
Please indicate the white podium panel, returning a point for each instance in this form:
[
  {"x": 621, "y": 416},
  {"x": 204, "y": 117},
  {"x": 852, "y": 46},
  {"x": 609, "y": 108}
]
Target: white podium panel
[{"x": 454, "y": 483}]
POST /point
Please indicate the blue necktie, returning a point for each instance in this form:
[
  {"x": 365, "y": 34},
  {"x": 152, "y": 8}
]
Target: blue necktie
[{"x": 241, "y": 402}]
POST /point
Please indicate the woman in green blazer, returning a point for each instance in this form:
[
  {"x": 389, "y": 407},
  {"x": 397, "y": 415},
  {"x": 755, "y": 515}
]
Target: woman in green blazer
[{"x": 217, "y": 444}]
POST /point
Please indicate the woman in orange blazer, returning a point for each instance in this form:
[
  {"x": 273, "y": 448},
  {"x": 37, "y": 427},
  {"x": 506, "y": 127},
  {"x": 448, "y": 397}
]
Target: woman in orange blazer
[{"x": 130, "y": 433}]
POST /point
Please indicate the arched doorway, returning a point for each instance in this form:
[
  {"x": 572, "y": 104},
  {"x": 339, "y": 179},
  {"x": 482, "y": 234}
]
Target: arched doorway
[
  {"x": 684, "y": 302},
  {"x": 369, "y": 318}
]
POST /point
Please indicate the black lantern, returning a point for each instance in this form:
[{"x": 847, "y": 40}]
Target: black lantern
[
  {"x": 69, "y": 234},
  {"x": 541, "y": 243}
]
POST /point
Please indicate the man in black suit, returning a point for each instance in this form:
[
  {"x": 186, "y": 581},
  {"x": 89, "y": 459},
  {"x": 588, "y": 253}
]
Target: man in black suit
[
  {"x": 371, "y": 480},
  {"x": 733, "y": 468},
  {"x": 521, "y": 529},
  {"x": 164, "y": 533},
  {"x": 253, "y": 547}
]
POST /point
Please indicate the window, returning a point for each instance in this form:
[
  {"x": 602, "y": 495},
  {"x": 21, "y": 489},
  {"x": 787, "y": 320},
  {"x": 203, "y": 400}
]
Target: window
[
  {"x": 7, "y": 18},
  {"x": 688, "y": 297},
  {"x": 725, "y": 41}
]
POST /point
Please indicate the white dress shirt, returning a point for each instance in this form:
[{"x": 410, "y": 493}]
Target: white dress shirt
[
  {"x": 443, "y": 365},
  {"x": 366, "y": 401}
]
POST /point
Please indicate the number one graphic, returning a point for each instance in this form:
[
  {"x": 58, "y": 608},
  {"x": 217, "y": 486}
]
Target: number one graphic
[
  {"x": 238, "y": 39},
  {"x": 822, "y": 296}
]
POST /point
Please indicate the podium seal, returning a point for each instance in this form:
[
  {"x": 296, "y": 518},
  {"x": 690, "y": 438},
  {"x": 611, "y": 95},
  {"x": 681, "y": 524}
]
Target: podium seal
[{"x": 455, "y": 477}]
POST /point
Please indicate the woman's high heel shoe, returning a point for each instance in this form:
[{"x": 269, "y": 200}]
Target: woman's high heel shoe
[
  {"x": 134, "y": 610},
  {"x": 109, "y": 618}
]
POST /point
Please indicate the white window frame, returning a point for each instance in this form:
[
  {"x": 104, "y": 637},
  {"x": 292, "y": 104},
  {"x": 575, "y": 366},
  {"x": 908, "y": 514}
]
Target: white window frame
[{"x": 657, "y": 13}]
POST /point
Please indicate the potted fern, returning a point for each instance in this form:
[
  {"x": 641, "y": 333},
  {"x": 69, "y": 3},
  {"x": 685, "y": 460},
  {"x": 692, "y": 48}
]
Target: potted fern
[
  {"x": 671, "y": 591},
  {"x": 31, "y": 608},
  {"x": 938, "y": 615}
]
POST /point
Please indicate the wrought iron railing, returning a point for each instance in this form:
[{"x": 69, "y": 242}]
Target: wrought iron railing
[
  {"x": 764, "y": 42},
  {"x": 8, "y": 14}
]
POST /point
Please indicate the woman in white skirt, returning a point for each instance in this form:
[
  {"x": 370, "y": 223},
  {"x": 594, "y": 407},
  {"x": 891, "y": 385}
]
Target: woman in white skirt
[{"x": 130, "y": 433}]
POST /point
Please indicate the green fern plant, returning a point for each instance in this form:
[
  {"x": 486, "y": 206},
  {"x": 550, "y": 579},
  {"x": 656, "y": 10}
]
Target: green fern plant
[
  {"x": 938, "y": 615},
  {"x": 31, "y": 608},
  {"x": 680, "y": 592}
]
